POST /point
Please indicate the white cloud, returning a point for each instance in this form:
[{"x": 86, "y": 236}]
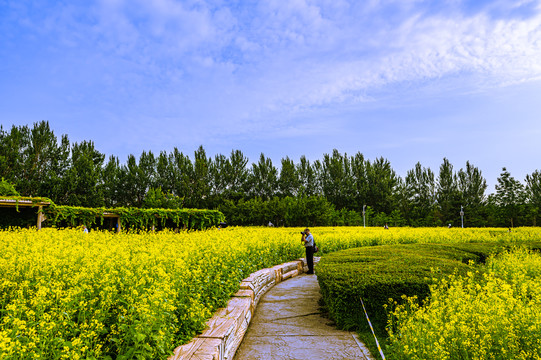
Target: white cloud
[
  {"x": 421, "y": 48},
  {"x": 245, "y": 64},
  {"x": 276, "y": 60}
]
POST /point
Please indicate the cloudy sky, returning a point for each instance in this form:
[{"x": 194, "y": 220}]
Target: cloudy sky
[{"x": 408, "y": 80}]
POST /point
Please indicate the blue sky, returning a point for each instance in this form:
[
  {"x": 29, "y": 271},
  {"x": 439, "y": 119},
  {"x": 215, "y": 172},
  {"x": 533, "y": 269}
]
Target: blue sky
[{"x": 409, "y": 80}]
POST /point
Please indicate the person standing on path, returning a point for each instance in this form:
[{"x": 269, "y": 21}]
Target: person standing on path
[{"x": 308, "y": 241}]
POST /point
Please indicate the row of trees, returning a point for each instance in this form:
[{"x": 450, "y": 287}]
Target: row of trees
[{"x": 40, "y": 164}]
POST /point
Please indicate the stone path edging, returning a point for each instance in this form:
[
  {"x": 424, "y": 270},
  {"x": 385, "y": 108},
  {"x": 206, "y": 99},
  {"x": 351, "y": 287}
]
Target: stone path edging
[{"x": 225, "y": 330}]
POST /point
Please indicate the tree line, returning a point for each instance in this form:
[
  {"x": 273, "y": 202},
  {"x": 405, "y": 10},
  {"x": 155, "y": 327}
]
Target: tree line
[{"x": 333, "y": 190}]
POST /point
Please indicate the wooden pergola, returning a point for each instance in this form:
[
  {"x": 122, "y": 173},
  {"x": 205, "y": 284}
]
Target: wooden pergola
[{"x": 15, "y": 203}]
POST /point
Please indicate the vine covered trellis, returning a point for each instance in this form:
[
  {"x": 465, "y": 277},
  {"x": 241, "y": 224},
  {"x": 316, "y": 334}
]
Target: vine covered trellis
[
  {"x": 128, "y": 218},
  {"x": 135, "y": 218}
]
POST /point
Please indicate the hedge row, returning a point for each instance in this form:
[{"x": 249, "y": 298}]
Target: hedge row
[{"x": 378, "y": 273}]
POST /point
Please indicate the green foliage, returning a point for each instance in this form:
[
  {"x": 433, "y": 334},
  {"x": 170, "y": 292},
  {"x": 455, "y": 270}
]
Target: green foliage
[
  {"x": 381, "y": 272},
  {"x": 509, "y": 197},
  {"x": 301, "y": 211},
  {"x": 34, "y": 200},
  {"x": 288, "y": 211},
  {"x": 472, "y": 187},
  {"x": 82, "y": 179},
  {"x": 134, "y": 218},
  {"x": 264, "y": 179},
  {"x": 155, "y": 198},
  {"x": 40, "y": 164},
  {"x": 7, "y": 188},
  {"x": 33, "y": 159},
  {"x": 378, "y": 273},
  {"x": 533, "y": 193},
  {"x": 447, "y": 194},
  {"x": 288, "y": 182}
]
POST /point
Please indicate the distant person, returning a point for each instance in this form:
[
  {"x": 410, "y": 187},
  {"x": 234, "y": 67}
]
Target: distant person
[
  {"x": 85, "y": 229},
  {"x": 386, "y": 227},
  {"x": 270, "y": 224},
  {"x": 308, "y": 241},
  {"x": 450, "y": 226}
]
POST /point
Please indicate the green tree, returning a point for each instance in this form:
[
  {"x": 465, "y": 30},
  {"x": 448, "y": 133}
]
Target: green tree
[
  {"x": 229, "y": 176},
  {"x": 237, "y": 175},
  {"x": 82, "y": 181},
  {"x": 403, "y": 200},
  {"x": 421, "y": 193},
  {"x": 510, "y": 197},
  {"x": 472, "y": 186},
  {"x": 307, "y": 178},
  {"x": 165, "y": 174},
  {"x": 533, "y": 194},
  {"x": 336, "y": 179},
  {"x": 34, "y": 160},
  {"x": 288, "y": 182},
  {"x": 111, "y": 183},
  {"x": 12, "y": 147},
  {"x": 133, "y": 189},
  {"x": 447, "y": 194},
  {"x": 182, "y": 170},
  {"x": 44, "y": 161},
  {"x": 218, "y": 175},
  {"x": 382, "y": 181},
  {"x": 147, "y": 170},
  {"x": 263, "y": 178},
  {"x": 359, "y": 176},
  {"x": 200, "y": 180}
]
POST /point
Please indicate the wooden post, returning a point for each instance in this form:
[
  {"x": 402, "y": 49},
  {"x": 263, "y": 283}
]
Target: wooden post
[
  {"x": 118, "y": 223},
  {"x": 40, "y": 217}
]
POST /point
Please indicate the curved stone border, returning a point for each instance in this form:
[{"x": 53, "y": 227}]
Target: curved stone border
[{"x": 225, "y": 330}]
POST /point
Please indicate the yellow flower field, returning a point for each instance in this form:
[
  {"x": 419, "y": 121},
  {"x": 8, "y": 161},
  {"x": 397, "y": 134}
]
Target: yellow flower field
[
  {"x": 495, "y": 317},
  {"x": 66, "y": 294}
]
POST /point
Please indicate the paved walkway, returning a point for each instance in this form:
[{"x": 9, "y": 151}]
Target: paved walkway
[{"x": 288, "y": 326}]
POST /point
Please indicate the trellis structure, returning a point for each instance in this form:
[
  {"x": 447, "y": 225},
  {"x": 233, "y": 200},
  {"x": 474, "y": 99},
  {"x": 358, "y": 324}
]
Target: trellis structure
[
  {"x": 125, "y": 217},
  {"x": 16, "y": 202}
]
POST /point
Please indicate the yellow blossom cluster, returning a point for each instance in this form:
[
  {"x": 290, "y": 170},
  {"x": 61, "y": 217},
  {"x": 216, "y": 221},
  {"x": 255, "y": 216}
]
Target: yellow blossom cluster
[
  {"x": 67, "y": 294},
  {"x": 485, "y": 315}
]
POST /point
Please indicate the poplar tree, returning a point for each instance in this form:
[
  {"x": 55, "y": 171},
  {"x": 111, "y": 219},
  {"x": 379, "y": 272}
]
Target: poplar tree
[
  {"x": 472, "y": 187},
  {"x": 533, "y": 193},
  {"x": 421, "y": 192},
  {"x": 447, "y": 194},
  {"x": 288, "y": 182},
  {"x": 510, "y": 197},
  {"x": 263, "y": 178}
]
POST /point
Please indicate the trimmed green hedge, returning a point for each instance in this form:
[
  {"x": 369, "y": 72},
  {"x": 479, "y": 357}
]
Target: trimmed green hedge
[{"x": 377, "y": 273}]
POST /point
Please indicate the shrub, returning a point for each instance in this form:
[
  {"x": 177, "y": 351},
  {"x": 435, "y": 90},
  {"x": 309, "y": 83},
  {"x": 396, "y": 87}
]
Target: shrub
[{"x": 378, "y": 273}]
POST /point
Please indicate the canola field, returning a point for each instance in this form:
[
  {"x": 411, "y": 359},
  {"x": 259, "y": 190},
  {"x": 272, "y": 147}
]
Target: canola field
[
  {"x": 66, "y": 294},
  {"x": 493, "y": 315}
]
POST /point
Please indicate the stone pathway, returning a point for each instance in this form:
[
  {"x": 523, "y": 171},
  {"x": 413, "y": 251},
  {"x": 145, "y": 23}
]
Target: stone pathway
[{"x": 288, "y": 326}]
